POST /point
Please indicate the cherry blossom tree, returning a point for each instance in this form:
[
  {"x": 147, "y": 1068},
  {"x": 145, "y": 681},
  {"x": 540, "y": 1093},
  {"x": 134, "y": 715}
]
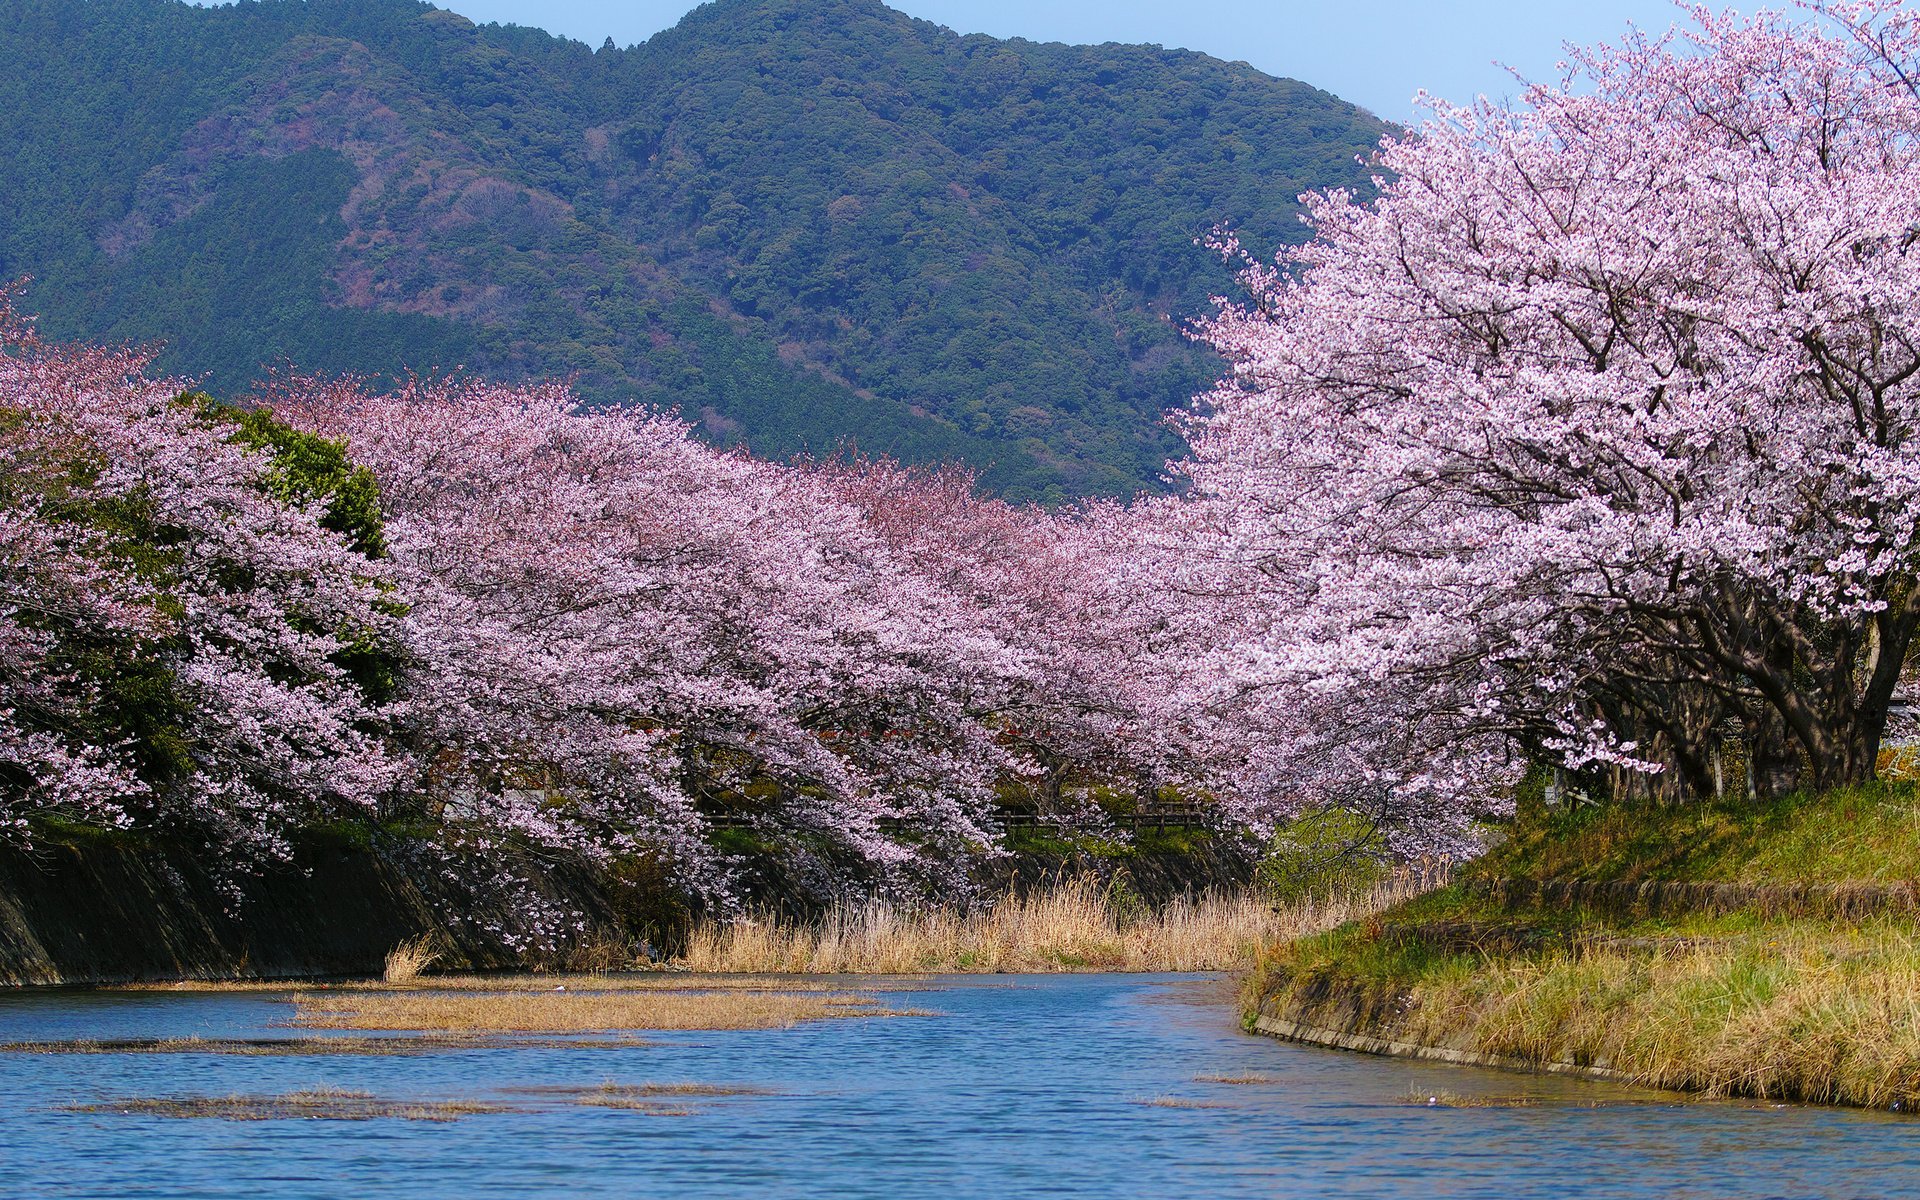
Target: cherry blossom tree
[
  {"x": 1081, "y": 608},
  {"x": 623, "y": 637},
  {"x": 1595, "y": 430},
  {"x": 183, "y": 641}
]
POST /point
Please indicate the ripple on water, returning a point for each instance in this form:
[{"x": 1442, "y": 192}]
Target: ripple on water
[{"x": 1019, "y": 1086}]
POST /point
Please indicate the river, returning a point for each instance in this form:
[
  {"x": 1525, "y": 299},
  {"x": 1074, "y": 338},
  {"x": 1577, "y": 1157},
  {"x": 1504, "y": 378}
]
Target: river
[{"x": 1019, "y": 1086}]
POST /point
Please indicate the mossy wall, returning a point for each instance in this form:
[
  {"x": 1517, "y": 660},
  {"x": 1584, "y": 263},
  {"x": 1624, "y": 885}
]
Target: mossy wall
[
  {"x": 112, "y": 911},
  {"x": 1156, "y": 873}
]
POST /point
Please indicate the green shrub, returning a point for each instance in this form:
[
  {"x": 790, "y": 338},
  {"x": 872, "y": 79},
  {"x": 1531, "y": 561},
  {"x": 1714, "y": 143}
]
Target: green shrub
[{"x": 1334, "y": 852}]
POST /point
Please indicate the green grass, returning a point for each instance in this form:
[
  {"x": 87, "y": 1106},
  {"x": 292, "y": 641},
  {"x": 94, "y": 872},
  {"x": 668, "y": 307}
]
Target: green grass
[
  {"x": 1734, "y": 1005},
  {"x": 1042, "y": 844},
  {"x": 1172, "y": 841},
  {"x": 1867, "y": 833},
  {"x": 52, "y": 829}
]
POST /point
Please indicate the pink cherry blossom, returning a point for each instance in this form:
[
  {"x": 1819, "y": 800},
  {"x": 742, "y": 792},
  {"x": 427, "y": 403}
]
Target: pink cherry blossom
[
  {"x": 1592, "y": 438},
  {"x": 137, "y": 542}
]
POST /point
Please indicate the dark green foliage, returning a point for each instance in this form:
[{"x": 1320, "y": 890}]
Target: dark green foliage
[
  {"x": 306, "y": 469},
  {"x": 235, "y": 289},
  {"x": 801, "y": 222},
  {"x": 107, "y": 686}
]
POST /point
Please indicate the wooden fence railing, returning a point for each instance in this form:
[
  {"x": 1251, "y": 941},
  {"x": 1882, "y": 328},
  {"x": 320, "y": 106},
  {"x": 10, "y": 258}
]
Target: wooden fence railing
[{"x": 1156, "y": 818}]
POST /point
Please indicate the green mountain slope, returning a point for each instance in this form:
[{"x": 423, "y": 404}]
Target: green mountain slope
[{"x": 802, "y": 222}]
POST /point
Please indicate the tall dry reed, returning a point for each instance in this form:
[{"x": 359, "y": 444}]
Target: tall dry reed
[
  {"x": 1074, "y": 926},
  {"x": 406, "y": 961}
]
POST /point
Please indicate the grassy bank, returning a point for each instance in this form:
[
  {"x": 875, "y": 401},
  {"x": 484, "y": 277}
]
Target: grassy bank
[
  {"x": 1867, "y": 834},
  {"x": 1076, "y": 926},
  {"x": 1762, "y": 997}
]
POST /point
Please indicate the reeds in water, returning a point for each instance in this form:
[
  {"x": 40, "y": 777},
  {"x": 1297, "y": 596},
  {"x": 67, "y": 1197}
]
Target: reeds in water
[
  {"x": 406, "y": 961},
  {"x": 565, "y": 1011},
  {"x": 1074, "y": 926}
]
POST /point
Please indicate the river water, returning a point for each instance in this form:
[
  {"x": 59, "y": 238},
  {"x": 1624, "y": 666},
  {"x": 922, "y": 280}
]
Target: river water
[{"x": 1020, "y": 1086}]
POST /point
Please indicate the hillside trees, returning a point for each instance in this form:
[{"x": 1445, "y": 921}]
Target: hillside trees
[
  {"x": 801, "y": 223},
  {"x": 1598, "y": 429}
]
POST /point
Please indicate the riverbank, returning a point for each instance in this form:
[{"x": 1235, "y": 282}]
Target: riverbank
[
  {"x": 97, "y": 907},
  {"x": 106, "y": 908},
  {"x": 1768, "y": 951}
]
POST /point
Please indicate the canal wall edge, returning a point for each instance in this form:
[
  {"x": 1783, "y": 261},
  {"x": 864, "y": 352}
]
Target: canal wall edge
[
  {"x": 114, "y": 909},
  {"x": 1363, "y": 1043}
]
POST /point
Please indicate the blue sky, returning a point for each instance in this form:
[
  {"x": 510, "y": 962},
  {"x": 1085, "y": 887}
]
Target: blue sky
[{"x": 1376, "y": 53}]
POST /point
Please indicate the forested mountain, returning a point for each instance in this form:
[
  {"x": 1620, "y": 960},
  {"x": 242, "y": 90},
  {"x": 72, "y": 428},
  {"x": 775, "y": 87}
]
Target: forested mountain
[{"x": 801, "y": 222}]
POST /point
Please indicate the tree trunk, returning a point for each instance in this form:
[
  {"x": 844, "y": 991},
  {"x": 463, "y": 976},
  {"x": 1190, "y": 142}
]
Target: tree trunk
[{"x": 1775, "y": 760}]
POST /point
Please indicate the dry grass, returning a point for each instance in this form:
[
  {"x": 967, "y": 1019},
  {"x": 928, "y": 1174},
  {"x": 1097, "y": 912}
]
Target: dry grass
[
  {"x": 580, "y": 1011},
  {"x": 318, "y": 1047},
  {"x": 1237, "y": 1080},
  {"x": 410, "y": 958},
  {"x": 1073, "y": 927},
  {"x": 636, "y": 981},
  {"x": 1735, "y": 1006},
  {"x": 647, "y": 981},
  {"x": 320, "y": 1104},
  {"x": 652, "y": 1108},
  {"x": 1792, "y": 1011},
  {"x": 209, "y": 985},
  {"x": 653, "y": 1099},
  {"x": 637, "y": 1091},
  {"x": 333, "y": 1104}
]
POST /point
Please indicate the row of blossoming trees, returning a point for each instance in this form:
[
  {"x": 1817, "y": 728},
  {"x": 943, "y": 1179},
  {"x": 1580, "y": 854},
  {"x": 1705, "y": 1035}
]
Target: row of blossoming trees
[
  {"x": 1587, "y": 442},
  {"x": 511, "y": 619}
]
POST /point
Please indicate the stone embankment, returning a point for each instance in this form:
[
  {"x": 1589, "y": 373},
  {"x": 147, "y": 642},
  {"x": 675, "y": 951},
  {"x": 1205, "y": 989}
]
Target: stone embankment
[{"x": 111, "y": 911}]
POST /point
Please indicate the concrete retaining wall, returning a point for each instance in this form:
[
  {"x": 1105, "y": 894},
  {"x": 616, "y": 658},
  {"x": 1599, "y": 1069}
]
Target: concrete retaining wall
[{"x": 125, "y": 910}]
